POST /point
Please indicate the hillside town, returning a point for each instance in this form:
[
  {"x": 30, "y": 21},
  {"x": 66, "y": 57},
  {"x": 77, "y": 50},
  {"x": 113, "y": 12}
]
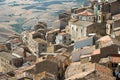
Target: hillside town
[{"x": 86, "y": 46}]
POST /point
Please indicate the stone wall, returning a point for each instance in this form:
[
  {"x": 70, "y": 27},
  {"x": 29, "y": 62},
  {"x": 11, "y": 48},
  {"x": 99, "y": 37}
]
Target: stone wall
[{"x": 98, "y": 28}]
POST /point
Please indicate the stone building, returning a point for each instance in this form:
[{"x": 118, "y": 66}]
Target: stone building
[
  {"x": 9, "y": 62},
  {"x": 23, "y": 74},
  {"x": 65, "y": 62},
  {"x": 8, "y": 76},
  {"x": 41, "y": 33},
  {"x": 40, "y": 25},
  {"x": 104, "y": 42},
  {"x": 3, "y": 47},
  {"x": 63, "y": 38},
  {"x": 39, "y": 46},
  {"x": 64, "y": 18},
  {"x": 46, "y": 67},
  {"x": 75, "y": 11},
  {"x": 86, "y": 15},
  {"x": 45, "y": 76},
  {"x": 35, "y": 45},
  {"x": 51, "y": 35},
  {"x": 88, "y": 71},
  {"x": 103, "y": 9},
  {"x": 78, "y": 29},
  {"x": 83, "y": 43},
  {"x": 85, "y": 52},
  {"x": 112, "y": 26}
]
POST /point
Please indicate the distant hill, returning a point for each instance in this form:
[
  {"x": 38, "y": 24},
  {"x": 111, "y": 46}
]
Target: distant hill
[
  {"x": 5, "y": 31},
  {"x": 16, "y": 12}
]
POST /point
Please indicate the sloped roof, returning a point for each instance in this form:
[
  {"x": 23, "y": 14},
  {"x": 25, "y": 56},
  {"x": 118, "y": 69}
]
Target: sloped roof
[
  {"x": 52, "y": 31},
  {"x": 86, "y": 13},
  {"x": 115, "y": 59},
  {"x": 40, "y": 40},
  {"x": 76, "y": 54},
  {"x": 77, "y": 68},
  {"x": 7, "y": 56},
  {"x": 82, "y": 43},
  {"x": 105, "y": 39},
  {"x": 83, "y": 23}
]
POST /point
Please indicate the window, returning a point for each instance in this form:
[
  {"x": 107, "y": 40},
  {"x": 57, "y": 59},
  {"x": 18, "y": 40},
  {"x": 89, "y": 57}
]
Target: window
[
  {"x": 43, "y": 45},
  {"x": 60, "y": 41},
  {"x": 43, "y": 49},
  {"x": 10, "y": 62},
  {"x": 65, "y": 38},
  {"x": 99, "y": 18},
  {"x": 77, "y": 29},
  {"x": 84, "y": 18},
  {"x": 69, "y": 39},
  {"x": 64, "y": 41},
  {"x": 81, "y": 30},
  {"x": 114, "y": 65}
]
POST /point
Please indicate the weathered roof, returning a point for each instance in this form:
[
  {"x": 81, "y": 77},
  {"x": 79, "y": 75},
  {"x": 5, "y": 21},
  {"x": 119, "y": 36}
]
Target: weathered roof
[
  {"x": 86, "y": 13},
  {"x": 61, "y": 57},
  {"x": 49, "y": 58},
  {"x": 76, "y": 54},
  {"x": 111, "y": 1},
  {"x": 94, "y": 52},
  {"x": 52, "y": 31},
  {"x": 77, "y": 68},
  {"x": 40, "y": 40},
  {"x": 2, "y": 47},
  {"x": 82, "y": 43},
  {"x": 47, "y": 76},
  {"x": 48, "y": 66},
  {"x": 115, "y": 59},
  {"x": 28, "y": 68},
  {"x": 116, "y": 17},
  {"x": 82, "y": 23},
  {"x": 5, "y": 76},
  {"x": 104, "y": 60},
  {"x": 18, "y": 51},
  {"x": 73, "y": 20},
  {"x": 63, "y": 33},
  {"x": 105, "y": 39},
  {"x": 109, "y": 21},
  {"x": 7, "y": 56}
]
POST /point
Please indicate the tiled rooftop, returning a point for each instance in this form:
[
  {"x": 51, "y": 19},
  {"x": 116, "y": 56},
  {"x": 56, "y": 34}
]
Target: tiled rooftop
[
  {"x": 82, "y": 52},
  {"x": 54, "y": 30},
  {"x": 83, "y": 23},
  {"x": 86, "y": 13},
  {"x": 115, "y": 59},
  {"x": 75, "y": 70},
  {"x": 105, "y": 39},
  {"x": 116, "y": 17},
  {"x": 7, "y": 56},
  {"x": 40, "y": 40}
]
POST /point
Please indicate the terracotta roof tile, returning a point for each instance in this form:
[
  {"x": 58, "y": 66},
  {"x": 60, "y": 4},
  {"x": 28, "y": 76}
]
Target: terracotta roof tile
[
  {"x": 103, "y": 69},
  {"x": 86, "y": 13},
  {"x": 115, "y": 59},
  {"x": 52, "y": 31}
]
